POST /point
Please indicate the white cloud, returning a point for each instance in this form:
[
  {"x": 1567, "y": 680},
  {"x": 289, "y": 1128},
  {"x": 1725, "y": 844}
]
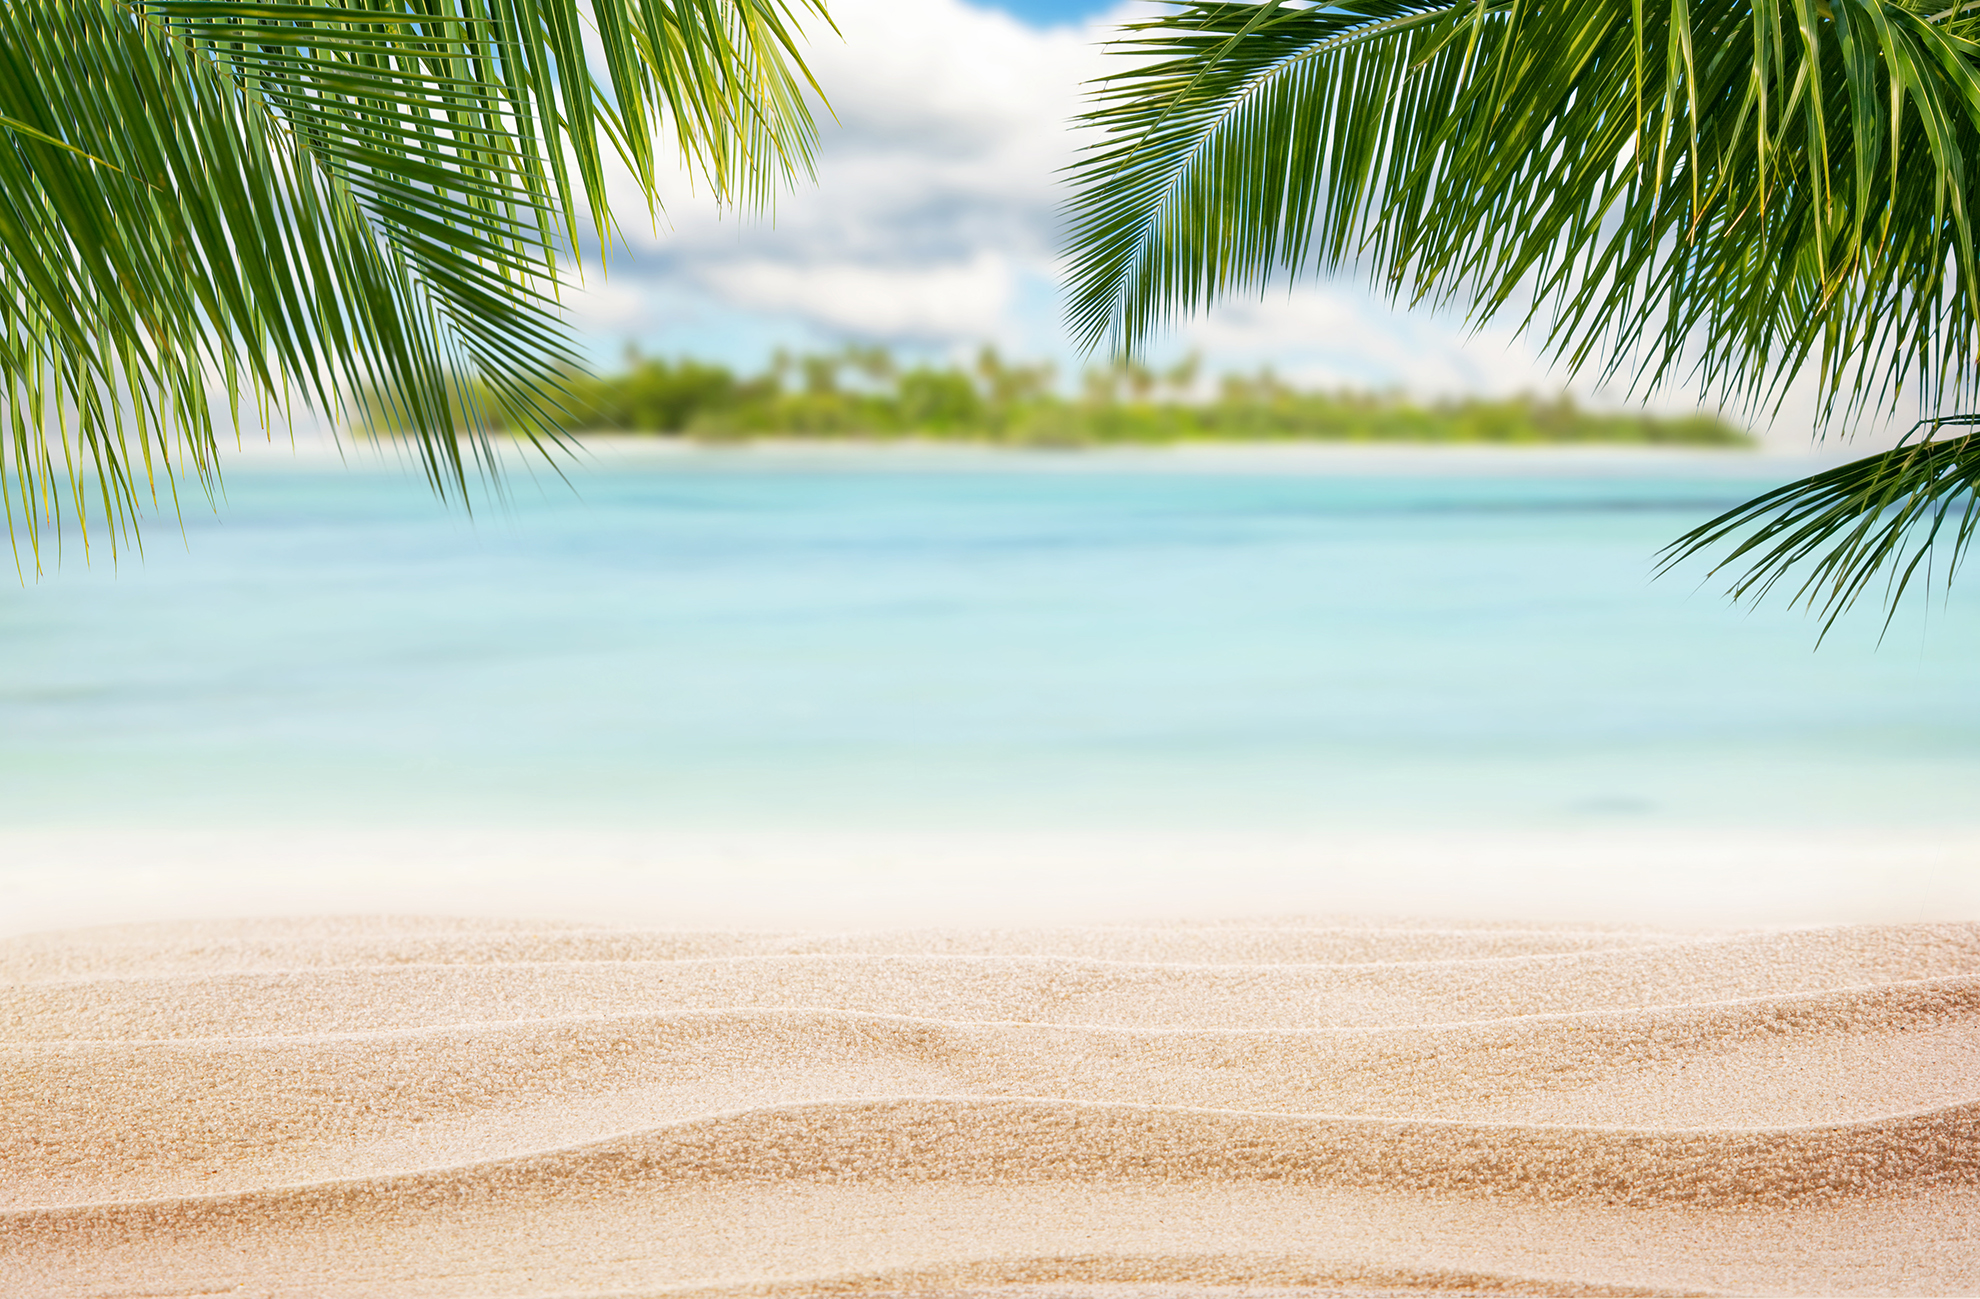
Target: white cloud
[
  {"x": 609, "y": 303},
  {"x": 933, "y": 216},
  {"x": 1337, "y": 333},
  {"x": 1341, "y": 334},
  {"x": 939, "y": 301},
  {"x": 934, "y": 222}
]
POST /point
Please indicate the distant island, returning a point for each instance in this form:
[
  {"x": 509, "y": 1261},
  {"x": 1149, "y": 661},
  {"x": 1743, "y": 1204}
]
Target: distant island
[{"x": 866, "y": 393}]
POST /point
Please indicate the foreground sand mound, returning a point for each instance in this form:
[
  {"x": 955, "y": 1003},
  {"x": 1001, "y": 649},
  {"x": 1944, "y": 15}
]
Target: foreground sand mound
[{"x": 424, "y": 1108}]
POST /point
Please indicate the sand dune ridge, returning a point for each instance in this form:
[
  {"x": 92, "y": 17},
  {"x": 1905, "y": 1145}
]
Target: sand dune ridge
[{"x": 411, "y": 1108}]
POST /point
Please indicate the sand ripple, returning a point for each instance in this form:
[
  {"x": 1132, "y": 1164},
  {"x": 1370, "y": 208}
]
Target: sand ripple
[{"x": 413, "y": 1108}]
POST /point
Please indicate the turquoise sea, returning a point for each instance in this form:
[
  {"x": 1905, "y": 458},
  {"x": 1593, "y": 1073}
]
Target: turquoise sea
[{"x": 860, "y": 639}]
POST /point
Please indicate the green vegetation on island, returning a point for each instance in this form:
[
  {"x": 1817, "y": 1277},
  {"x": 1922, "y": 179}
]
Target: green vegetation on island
[{"x": 864, "y": 392}]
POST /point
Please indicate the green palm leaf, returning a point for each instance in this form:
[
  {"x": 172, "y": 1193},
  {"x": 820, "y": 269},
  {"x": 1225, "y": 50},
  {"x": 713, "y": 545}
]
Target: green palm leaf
[
  {"x": 361, "y": 204},
  {"x": 1885, "y": 513},
  {"x": 1730, "y": 193}
]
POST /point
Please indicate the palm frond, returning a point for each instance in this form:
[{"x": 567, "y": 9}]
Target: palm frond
[
  {"x": 1750, "y": 184},
  {"x": 1728, "y": 193},
  {"x": 363, "y": 203},
  {"x": 1887, "y": 513}
]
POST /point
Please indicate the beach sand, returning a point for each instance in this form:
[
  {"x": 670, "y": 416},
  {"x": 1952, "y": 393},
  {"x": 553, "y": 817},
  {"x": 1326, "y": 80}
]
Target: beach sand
[{"x": 416, "y": 1107}]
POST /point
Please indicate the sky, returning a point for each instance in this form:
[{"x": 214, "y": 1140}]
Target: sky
[{"x": 933, "y": 227}]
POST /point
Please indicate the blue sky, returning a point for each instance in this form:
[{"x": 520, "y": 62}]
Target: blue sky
[
  {"x": 933, "y": 227},
  {"x": 1047, "y": 13}
]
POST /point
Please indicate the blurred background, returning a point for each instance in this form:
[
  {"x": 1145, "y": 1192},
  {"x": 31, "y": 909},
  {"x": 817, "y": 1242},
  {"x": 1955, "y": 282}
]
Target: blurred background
[{"x": 736, "y": 682}]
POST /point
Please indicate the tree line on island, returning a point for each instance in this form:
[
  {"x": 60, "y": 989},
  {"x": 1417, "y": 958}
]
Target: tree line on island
[{"x": 866, "y": 392}]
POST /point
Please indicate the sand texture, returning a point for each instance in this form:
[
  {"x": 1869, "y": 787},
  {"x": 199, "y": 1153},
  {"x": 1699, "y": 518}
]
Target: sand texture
[{"x": 407, "y": 1108}]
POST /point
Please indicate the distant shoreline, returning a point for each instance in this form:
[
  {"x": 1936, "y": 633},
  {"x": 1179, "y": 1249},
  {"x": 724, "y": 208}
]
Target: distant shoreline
[
  {"x": 1235, "y": 439},
  {"x": 615, "y": 449},
  {"x": 693, "y": 443},
  {"x": 607, "y": 449}
]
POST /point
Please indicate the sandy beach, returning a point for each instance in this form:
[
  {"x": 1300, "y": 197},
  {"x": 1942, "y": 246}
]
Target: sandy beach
[{"x": 421, "y": 1107}]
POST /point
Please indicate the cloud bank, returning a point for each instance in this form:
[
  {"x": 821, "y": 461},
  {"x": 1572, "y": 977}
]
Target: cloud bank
[{"x": 934, "y": 225}]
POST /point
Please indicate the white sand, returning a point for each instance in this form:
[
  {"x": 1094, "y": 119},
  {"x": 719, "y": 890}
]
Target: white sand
[
  {"x": 1674, "y": 877},
  {"x": 402, "y": 1107}
]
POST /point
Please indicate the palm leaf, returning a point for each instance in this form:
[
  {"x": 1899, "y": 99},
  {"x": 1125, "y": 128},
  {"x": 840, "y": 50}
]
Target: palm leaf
[
  {"x": 363, "y": 204},
  {"x": 1729, "y": 193},
  {"x": 1840, "y": 528}
]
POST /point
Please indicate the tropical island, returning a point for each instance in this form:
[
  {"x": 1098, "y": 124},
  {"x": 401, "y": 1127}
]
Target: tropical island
[{"x": 866, "y": 392}]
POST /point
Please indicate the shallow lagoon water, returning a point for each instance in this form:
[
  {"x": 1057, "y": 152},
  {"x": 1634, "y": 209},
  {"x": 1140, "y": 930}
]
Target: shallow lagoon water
[{"x": 860, "y": 639}]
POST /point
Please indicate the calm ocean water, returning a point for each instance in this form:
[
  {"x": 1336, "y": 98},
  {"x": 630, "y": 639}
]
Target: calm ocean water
[{"x": 899, "y": 640}]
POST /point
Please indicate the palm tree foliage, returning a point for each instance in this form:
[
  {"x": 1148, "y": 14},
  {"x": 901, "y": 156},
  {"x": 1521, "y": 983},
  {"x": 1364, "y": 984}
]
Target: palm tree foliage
[
  {"x": 364, "y": 205},
  {"x": 1728, "y": 192},
  {"x": 1883, "y": 513}
]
